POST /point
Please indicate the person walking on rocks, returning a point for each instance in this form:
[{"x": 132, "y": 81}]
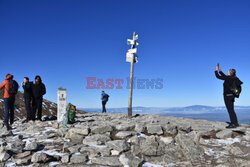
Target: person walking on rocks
[
  {"x": 39, "y": 90},
  {"x": 28, "y": 97},
  {"x": 232, "y": 89},
  {"x": 104, "y": 98},
  {"x": 10, "y": 90}
]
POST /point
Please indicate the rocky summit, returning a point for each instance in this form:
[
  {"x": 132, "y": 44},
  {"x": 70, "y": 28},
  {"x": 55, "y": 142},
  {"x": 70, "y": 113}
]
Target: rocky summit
[{"x": 98, "y": 139}]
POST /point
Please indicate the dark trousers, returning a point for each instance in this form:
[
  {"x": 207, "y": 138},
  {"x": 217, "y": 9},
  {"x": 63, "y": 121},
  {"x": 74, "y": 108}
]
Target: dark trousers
[
  {"x": 28, "y": 108},
  {"x": 37, "y": 109},
  {"x": 103, "y": 106},
  {"x": 9, "y": 110},
  {"x": 229, "y": 102}
]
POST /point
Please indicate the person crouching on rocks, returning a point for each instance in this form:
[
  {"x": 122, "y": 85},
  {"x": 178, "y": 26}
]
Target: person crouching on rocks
[
  {"x": 38, "y": 91},
  {"x": 104, "y": 98},
  {"x": 28, "y": 97},
  {"x": 230, "y": 81}
]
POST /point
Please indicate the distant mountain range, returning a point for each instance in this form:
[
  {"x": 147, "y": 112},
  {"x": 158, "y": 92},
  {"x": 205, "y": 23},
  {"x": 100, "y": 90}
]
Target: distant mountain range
[{"x": 196, "y": 112}]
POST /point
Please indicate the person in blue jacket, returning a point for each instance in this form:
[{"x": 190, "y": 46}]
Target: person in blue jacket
[{"x": 104, "y": 98}]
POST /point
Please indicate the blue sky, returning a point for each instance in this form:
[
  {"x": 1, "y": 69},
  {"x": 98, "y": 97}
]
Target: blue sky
[{"x": 65, "y": 41}]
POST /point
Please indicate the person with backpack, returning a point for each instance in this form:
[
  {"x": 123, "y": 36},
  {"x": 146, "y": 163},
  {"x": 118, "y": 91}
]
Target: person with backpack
[
  {"x": 39, "y": 90},
  {"x": 28, "y": 97},
  {"x": 232, "y": 90},
  {"x": 10, "y": 90},
  {"x": 104, "y": 98}
]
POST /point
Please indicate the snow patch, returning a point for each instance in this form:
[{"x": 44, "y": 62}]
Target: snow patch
[
  {"x": 228, "y": 142},
  {"x": 147, "y": 164},
  {"x": 51, "y": 152}
]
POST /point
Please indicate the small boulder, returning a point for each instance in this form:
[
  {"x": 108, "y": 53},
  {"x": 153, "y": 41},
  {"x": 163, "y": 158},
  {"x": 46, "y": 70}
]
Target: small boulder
[
  {"x": 227, "y": 133},
  {"x": 30, "y": 146},
  {"x": 119, "y": 145},
  {"x": 125, "y": 127},
  {"x": 107, "y": 161},
  {"x": 98, "y": 139},
  {"x": 40, "y": 158},
  {"x": 125, "y": 134},
  {"x": 101, "y": 129},
  {"x": 4, "y": 156},
  {"x": 130, "y": 160},
  {"x": 65, "y": 159},
  {"x": 78, "y": 159}
]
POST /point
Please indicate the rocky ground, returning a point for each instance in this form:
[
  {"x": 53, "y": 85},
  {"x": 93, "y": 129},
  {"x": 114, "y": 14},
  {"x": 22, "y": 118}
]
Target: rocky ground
[{"x": 115, "y": 140}]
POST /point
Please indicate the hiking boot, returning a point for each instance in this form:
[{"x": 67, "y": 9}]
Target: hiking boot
[
  {"x": 237, "y": 125},
  {"x": 8, "y": 127},
  {"x": 231, "y": 126}
]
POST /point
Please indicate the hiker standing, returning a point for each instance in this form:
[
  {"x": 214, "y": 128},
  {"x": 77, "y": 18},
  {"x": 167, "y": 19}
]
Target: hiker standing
[
  {"x": 104, "y": 98},
  {"x": 38, "y": 91},
  {"x": 10, "y": 90},
  {"x": 232, "y": 89},
  {"x": 28, "y": 97}
]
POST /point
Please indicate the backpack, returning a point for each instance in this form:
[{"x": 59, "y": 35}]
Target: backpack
[
  {"x": 106, "y": 98},
  {"x": 71, "y": 109},
  {"x": 13, "y": 87},
  {"x": 236, "y": 88}
]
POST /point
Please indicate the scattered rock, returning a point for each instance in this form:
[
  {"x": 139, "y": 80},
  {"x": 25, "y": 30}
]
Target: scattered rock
[
  {"x": 65, "y": 159},
  {"x": 235, "y": 150},
  {"x": 40, "y": 158},
  {"x": 170, "y": 129},
  {"x": 4, "y": 156},
  {"x": 130, "y": 160},
  {"x": 101, "y": 129},
  {"x": 125, "y": 134},
  {"x": 109, "y": 161},
  {"x": 31, "y": 146},
  {"x": 151, "y": 146},
  {"x": 119, "y": 145},
  {"x": 98, "y": 139},
  {"x": 23, "y": 161},
  {"x": 227, "y": 133},
  {"x": 76, "y": 138},
  {"x": 190, "y": 149},
  {"x": 23, "y": 155},
  {"x": 78, "y": 159},
  {"x": 140, "y": 128},
  {"x": 167, "y": 140},
  {"x": 154, "y": 129},
  {"x": 125, "y": 127}
]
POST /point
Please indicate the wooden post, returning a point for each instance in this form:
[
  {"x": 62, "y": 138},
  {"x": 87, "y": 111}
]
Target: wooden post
[{"x": 131, "y": 81}]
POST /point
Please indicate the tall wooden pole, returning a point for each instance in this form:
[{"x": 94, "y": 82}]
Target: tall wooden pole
[{"x": 131, "y": 81}]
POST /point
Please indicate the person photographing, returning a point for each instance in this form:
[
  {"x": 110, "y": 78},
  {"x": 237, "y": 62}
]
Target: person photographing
[{"x": 231, "y": 90}]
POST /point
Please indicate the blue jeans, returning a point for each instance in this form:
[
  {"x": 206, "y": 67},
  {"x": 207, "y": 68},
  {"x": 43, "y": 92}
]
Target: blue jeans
[{"x": 9, "y": 110}]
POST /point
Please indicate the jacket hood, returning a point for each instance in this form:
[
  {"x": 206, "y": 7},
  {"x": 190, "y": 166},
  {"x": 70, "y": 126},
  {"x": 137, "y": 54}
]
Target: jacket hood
[
  {"x": 9, "y": 77},
  {"x": 39, "y": 78}
]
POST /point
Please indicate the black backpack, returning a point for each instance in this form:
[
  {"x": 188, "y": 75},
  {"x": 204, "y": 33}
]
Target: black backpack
[
  {"x": 13, "y": 87},
  {"x": 106, "y": 98},
  {"x": 236, "y": 88}
]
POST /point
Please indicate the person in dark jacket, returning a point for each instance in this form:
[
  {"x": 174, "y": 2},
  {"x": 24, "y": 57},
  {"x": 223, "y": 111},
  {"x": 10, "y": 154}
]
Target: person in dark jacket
[
  {"x": 229, "y": 98},
  {"x": 28, "y": 97},
  {"x": 38, "y": 91}
]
